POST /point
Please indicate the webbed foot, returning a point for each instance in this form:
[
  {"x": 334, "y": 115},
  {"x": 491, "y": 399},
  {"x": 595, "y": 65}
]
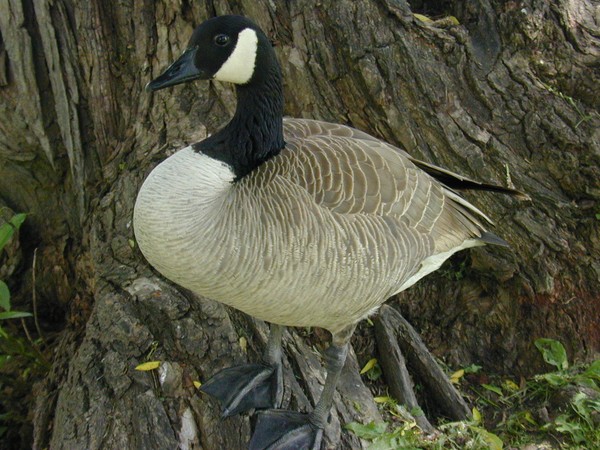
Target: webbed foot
[
  {"x": 251, "y": 386},
  {"x": 278, "y": 429},
  {"x": 245, "y": 387}
]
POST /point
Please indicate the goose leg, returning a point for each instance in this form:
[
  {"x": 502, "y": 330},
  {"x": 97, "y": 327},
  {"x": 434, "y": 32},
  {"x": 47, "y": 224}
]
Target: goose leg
[
  {"x": 259, "y": 386},
  {"x": 289, "y": 430}
]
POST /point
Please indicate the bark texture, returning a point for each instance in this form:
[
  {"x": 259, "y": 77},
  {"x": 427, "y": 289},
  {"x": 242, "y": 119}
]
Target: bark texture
[{"x": 509, "y": 95}]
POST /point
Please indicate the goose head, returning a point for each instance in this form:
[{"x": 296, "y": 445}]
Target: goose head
[
  {"x": 234, "y": 49},
  {"x": 226, "y": 48}
]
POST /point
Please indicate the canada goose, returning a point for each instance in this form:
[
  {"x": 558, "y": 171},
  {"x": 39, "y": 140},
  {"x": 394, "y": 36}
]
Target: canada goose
[{"x": 296, "y": 222}]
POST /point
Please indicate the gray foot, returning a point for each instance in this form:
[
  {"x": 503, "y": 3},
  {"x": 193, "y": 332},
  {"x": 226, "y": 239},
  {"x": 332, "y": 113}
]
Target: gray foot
[
  {"x": 285, "y": 430},
  {"x": 241, "y": 388}
]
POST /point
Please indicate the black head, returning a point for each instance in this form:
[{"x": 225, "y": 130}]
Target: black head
[{"x": 225, "y": 48}]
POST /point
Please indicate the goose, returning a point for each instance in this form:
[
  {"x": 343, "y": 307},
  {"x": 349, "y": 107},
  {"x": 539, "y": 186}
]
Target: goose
[{"x": 296, "y": 222}]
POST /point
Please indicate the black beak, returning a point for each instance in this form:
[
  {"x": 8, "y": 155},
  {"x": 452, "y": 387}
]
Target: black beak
[{"x": 180, "y": 71}]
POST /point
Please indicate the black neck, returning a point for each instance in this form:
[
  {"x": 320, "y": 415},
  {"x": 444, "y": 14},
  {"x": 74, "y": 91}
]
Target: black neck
[{"x": 255, "y": 133}]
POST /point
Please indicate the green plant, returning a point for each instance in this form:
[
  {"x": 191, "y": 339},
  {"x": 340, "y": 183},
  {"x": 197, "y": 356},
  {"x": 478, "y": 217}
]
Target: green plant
[
  {"x": 454, "y": 270},
  {"x": 578, "y": 423},
  {"x": 569, "y": 397},
  {"x": 10, "y": 345},
  {"x": 372, "y": 369},
  {"x": 19, "y": 356},
  {"x": 407, "y": 436},
  {"x": 559, "y": 409},
  {"x": 402, "y": 432},
  {"x": 5, "y": 305},
  {"x": 460, "y": 373},
  {"x": 7, "y": 231},
  {"x": 553, "y": 352}
]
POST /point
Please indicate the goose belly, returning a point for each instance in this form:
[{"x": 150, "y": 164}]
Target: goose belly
[{"x": 295, "y": 282}]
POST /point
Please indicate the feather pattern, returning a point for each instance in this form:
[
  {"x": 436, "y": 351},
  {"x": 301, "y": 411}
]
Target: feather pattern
[{"x": 330, "y": 227}]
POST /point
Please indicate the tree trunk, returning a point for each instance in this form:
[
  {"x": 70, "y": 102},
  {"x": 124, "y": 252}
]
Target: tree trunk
[{"x": 510, "y": 95}]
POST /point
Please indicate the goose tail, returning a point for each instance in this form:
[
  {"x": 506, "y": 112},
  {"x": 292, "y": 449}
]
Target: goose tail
[
  {"x": 459, "y": 182},
  {"x": 490, "y": 238}
]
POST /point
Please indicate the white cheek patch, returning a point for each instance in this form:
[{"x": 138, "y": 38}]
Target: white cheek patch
[{"x": 239, "y": 67}]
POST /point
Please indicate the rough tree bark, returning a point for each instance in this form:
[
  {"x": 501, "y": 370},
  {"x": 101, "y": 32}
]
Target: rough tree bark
[{"x": 510, "y": 95}]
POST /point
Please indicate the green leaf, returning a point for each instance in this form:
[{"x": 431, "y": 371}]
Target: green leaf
[
  {"x": 368, "y": 366},
  {"x": 553, "y": 352},
  {"x": 473, "y": 368},
  {"x": 456, "y": 376},
  {"x": 150, "y": 365},
  {"x": 18, "y": 219},
  {"x": 494, "y": 389},
  {"x": 553, "y": 379},
  {"x": 593, "y": 371},
  {"x": 8, "y": 229},
  {"x": 4, "y": 296},
  {"x": 416, "y": 411},
  {"x": 476, "y": 415},
  {"x": 422, "y": 18},
  {"x": 565, "y": 425},
  {"x": 493, "y": 441},
  {"x": 370, "y": 431},
  {"x": 13, "y": 315},
  {"x": 372, "y": 369},
  {"x": 510, "y": 385},
  {"x": 374, "y": 373},
  {"x": 6, "y": 232},
  {"x": 528, "y": 417},
  {"x": 579, "y": 403}
]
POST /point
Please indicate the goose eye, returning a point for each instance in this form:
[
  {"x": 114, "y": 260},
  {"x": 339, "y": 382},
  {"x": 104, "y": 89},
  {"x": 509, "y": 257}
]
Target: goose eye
[{"x": 221, "y": 40}]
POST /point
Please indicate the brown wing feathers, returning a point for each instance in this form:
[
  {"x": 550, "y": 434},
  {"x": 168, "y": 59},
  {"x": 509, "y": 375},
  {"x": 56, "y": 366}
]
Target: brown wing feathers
[{"x": 372, "y": 177}]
